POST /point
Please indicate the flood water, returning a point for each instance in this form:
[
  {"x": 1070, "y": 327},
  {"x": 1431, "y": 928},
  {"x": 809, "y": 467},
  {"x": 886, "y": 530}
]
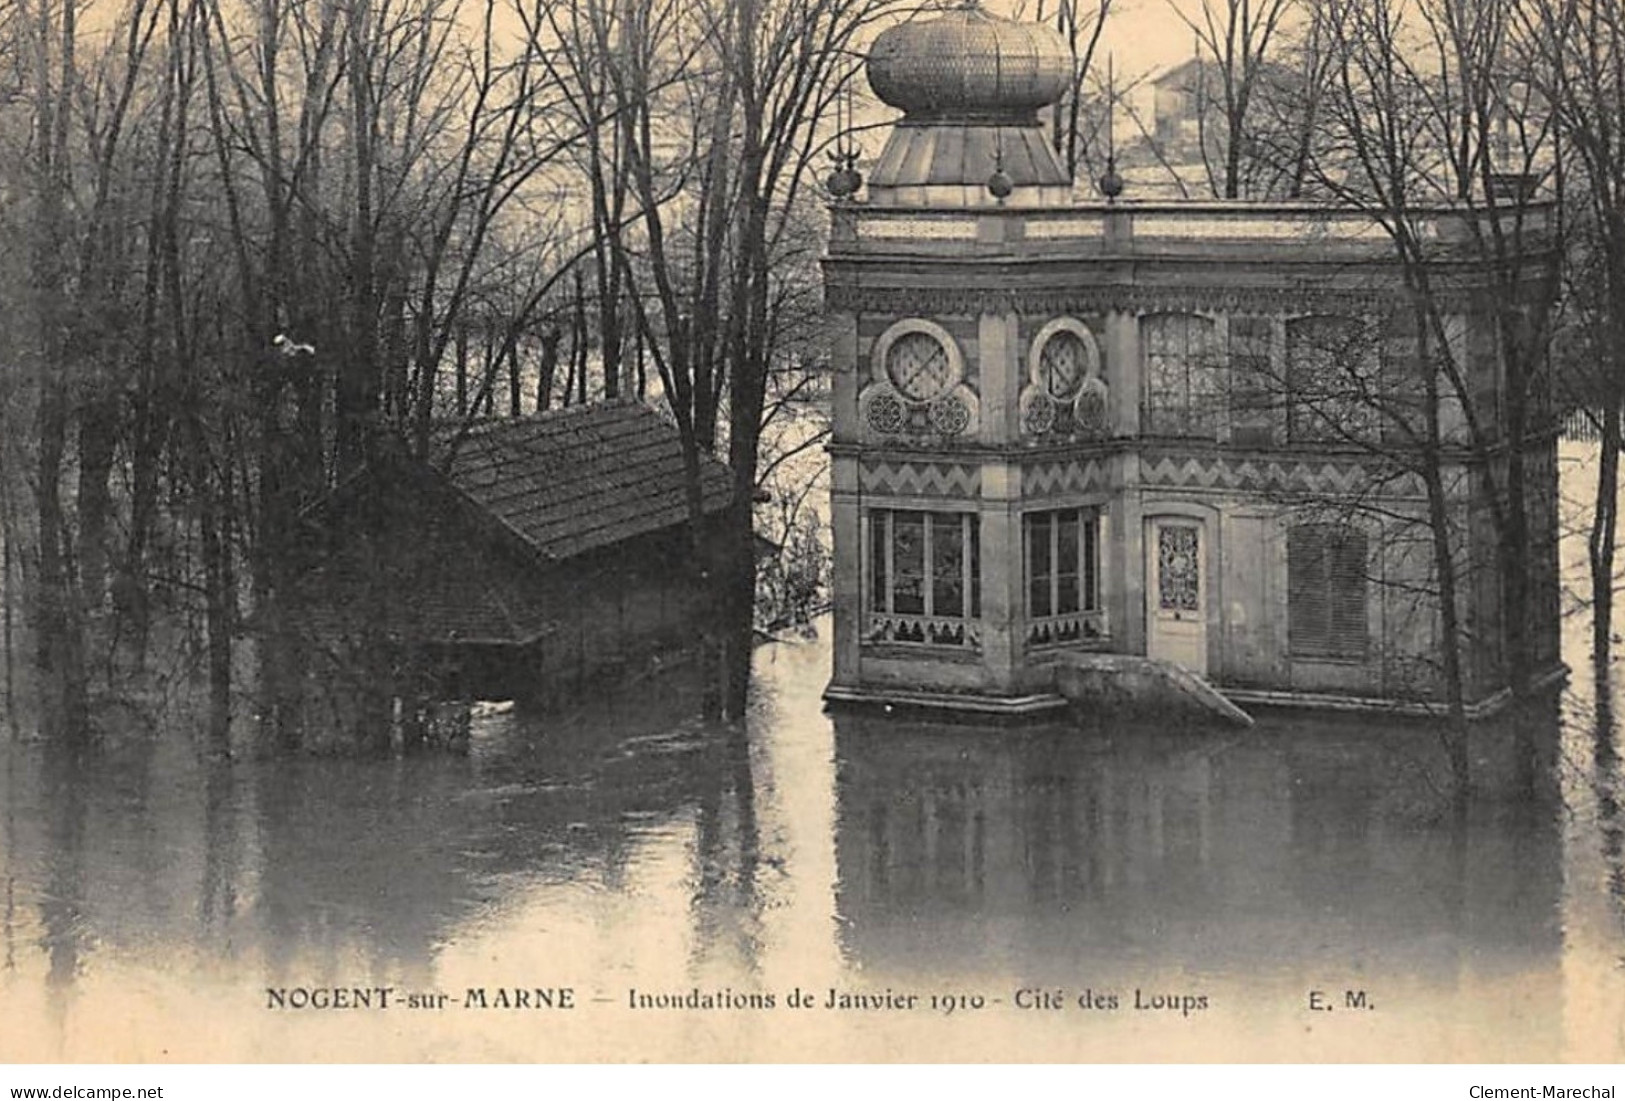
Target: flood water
[{"x": 958, "y": 892}]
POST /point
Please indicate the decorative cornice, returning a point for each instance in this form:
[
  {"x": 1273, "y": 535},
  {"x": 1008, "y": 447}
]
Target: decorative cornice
[{"x": 1049, "y": 302}]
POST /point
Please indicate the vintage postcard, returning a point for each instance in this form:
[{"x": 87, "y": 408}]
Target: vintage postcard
[{"x": 827, "y": 531}]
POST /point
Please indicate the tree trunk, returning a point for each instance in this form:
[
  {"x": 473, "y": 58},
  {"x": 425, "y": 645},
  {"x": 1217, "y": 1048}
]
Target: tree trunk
[
  {"x": 579, "y": 368},
  {"x": 358, "y": 372},
  {"x": 643, "y": 369},
  {"x": 131, "y": 596},
  {"x": 217, "y": 602},
  {"x": 516, "y": 391},
  {"x": 548, "y": 367},
  {"x": 1456, "y": 729},
  {"x": 98, "y": 438},
  {"x": 462, "y": 369},
  {"x": 1601, "y": 543},
  {"x": 61, "y": 654}
]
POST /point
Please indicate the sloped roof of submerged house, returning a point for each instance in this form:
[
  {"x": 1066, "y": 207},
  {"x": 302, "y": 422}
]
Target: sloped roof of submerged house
[
  {"x": 404, "y": 538},
  {"x": 580, "y": 478}
]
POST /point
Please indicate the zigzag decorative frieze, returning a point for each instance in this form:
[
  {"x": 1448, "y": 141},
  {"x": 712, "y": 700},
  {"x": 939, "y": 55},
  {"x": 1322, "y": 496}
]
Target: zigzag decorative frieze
[
  {"x": 920, "y": 479},
  {"x": 1268, "y": 475},
  {"x": 1048, "y": 479}
]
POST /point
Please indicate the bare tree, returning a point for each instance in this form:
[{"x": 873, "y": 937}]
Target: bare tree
[
  {"x": 73, "y": 230},
  {"x": 718, "y": 111},
  {"x": 1414, "y": 110},
  {"x": 1236, "y": 43},
  {"x": 1573, "y": 49},
  {"x": 1071, "y": 128}
]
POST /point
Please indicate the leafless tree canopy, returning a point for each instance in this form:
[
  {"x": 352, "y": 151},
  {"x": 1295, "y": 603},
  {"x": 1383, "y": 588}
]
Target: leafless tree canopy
[{"x": 248, "y": 242}]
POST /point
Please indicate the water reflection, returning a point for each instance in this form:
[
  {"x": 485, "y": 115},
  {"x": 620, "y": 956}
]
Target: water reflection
[
  {"x": 62, "y": 897},
  {"x": 726, "y": 906},
  {"x": 625, "y": 845},
  {"x": 1270, "y": 852},
  {"x": 1600, "y": 780}
]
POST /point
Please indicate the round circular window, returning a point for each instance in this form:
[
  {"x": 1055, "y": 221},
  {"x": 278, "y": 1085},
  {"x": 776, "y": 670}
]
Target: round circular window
[
  {"x": 1061, "y": 360},
  {"x": 1063, "y": 364},
  {"x": 918, "y": 366}
]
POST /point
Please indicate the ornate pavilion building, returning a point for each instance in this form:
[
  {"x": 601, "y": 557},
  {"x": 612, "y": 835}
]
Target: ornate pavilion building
[{"x": 1065, "y": 426}]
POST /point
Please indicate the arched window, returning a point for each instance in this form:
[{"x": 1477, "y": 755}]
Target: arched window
[
  {"x": 1326, "y": 591},
  {"x": 1332, "y": 390},
  {"x": 1182, "y": 392}
]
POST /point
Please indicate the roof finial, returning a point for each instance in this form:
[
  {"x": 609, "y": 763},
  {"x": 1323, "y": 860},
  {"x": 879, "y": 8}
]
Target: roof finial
[
  {"x": 1111, "y": 184},
  {"x": 999, "y": 184}
]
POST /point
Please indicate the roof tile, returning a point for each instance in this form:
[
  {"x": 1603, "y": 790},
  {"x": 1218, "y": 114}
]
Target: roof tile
[{"x": 580, "y": 478}]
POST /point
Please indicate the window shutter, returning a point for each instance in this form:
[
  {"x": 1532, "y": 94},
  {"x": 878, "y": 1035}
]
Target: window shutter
[
  {"x": 1346, "y": 557},
  {"x": 1326, "y": 591},
  {"x": 1306, "y": 590}
]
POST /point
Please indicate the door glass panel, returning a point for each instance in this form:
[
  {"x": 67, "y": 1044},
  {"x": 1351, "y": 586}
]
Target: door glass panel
[{"x": 1178, "y": 577}]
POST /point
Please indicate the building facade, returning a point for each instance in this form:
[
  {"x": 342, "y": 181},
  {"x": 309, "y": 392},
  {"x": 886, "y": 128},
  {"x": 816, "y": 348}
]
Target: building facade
[{"x": 1181, "y": 430}]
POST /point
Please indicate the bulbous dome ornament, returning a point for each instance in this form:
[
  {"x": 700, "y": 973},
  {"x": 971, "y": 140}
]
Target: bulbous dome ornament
[
  {"x": 969, "y": 64},
  {"x": 970, "y": 85}
]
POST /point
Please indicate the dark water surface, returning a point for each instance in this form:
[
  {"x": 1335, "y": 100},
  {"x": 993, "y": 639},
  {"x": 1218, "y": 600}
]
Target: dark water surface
[{"x": 1180, "y": 897}]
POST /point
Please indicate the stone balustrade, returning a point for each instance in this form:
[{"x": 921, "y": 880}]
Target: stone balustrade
[{"x": 1162, "y": 228}]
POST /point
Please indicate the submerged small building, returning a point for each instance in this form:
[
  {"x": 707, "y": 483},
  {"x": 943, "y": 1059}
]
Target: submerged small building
[
  {"x": 1066, "y": 426},
  {"x": 524, "y": 558}
]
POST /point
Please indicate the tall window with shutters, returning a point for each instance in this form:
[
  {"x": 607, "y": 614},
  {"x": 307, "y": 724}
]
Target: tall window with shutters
[{"x": 1326, "y": 592}]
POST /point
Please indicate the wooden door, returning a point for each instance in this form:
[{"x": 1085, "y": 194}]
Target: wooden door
[{"x": 1176, "y": 592}]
